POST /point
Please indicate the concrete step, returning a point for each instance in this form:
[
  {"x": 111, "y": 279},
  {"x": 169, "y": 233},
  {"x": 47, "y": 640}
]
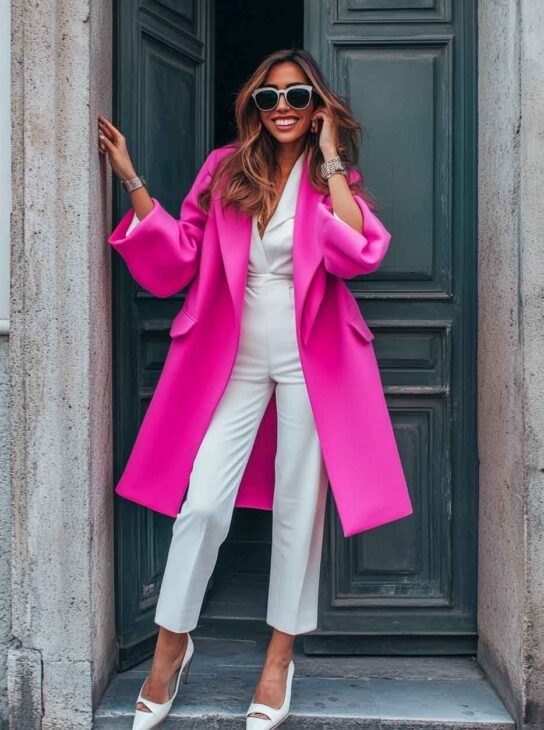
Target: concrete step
[{"x": 412, "y": 693}]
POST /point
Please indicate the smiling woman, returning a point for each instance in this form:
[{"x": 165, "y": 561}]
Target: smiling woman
[{"x": 270, "y": 382}]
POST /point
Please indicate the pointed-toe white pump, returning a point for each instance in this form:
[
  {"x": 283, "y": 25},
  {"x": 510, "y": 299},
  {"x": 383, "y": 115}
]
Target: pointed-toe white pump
[
  {"x": 276, "y": 715},
  {"x": 159, "y": 710}
]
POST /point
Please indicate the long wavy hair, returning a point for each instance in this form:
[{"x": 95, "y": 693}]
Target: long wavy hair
[{"x": 247, "y": 178}]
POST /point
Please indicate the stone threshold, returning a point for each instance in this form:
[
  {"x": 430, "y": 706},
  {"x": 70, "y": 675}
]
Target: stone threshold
[{"x": 442, "y": 693}]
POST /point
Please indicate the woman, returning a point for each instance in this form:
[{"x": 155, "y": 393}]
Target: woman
[{"x": 270, "y": 388}]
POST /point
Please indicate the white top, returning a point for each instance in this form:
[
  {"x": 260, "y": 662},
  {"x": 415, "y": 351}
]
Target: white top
[{"x": 273, "y": 252}]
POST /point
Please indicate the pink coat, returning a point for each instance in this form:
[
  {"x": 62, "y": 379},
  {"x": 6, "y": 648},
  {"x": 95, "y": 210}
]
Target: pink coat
[{"x": 210, "y": 254}]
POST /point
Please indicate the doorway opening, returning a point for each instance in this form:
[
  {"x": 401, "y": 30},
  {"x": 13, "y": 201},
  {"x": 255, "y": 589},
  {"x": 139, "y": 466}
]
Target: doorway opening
[{"x": 244, "y": 35}]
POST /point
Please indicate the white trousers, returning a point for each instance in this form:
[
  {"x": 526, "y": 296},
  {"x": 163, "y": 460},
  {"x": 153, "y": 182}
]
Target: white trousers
[{"x": 267, "y": 361}]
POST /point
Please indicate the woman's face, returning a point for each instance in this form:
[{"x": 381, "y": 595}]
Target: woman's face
[{"x": 284, "y": 123}]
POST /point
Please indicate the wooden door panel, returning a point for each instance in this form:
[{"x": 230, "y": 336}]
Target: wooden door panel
[
  {"x": 402, "y": 92},
  {"x": 163, "y": 103},
  {"x": 367, "y": 11},
  {"x": 406, "y": 68}
]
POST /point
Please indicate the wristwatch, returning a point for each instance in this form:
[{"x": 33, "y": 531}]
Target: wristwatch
[
  {"x": 134, "y": 183},
  {"x": 331, "y": 166}
]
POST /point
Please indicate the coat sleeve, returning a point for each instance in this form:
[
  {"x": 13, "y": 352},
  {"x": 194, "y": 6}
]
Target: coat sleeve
[
  {"x": 347, "y": 253},
  {"x": 161, "y": 252}
]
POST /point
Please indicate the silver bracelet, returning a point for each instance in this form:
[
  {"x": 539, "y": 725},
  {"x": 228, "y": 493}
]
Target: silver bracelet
[
  {"x": 134, "y": 183},
  {"x": 331, "y": 166}
]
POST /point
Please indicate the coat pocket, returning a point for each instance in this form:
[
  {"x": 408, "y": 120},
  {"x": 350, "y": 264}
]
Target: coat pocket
[
  {"x": 359, "y": 324},
  {"x": 183, "y": 321}
]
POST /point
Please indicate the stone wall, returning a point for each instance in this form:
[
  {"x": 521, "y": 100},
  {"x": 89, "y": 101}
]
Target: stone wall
[
  {"x": 5, "y": 528},
  {"x": 511, "y": 350},
  {"x": 64, "y": 645}
]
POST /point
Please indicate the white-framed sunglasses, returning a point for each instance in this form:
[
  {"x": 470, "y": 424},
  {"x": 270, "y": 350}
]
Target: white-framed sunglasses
[{"x": 267, "y": 98}]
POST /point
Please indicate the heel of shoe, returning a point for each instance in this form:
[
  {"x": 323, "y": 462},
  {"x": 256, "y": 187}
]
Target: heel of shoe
[{"x": 186, "y": 671}]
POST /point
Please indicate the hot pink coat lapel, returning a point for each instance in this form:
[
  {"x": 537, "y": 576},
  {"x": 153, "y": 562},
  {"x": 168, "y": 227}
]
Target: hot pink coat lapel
[{"x": 234, "y": 235}]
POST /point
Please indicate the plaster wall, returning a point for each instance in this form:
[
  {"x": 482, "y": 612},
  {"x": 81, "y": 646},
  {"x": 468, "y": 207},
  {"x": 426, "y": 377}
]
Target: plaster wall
[
  {"x": 510, "y": 347},
  {"x": 5, "y": 484},
  {"x": 5, "y": 529},
  {"x": 64, "y": 646}
]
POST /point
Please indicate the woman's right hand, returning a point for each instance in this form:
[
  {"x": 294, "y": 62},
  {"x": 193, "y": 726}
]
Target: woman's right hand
[{"x": 111, "y": 140}]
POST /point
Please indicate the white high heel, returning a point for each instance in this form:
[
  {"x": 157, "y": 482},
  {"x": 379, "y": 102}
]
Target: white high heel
[
  {"x": 159, "y": 710},
  {"x": 276, "y": 715}
]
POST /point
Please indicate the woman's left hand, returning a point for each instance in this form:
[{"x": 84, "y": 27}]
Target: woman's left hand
[{"x": 328, "y": 139}]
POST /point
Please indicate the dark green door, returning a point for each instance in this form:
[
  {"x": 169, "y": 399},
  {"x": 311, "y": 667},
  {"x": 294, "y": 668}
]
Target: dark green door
[
  {"x": 408, "y": 67},
  {"x": 163, "y": 105}
]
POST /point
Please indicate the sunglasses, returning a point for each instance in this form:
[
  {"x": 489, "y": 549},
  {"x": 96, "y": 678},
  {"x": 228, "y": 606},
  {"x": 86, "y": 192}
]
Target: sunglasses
[{"x": 267, "y": 98}]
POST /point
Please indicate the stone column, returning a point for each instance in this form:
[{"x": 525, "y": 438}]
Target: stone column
[
  {"x": 5, "y": 486},
  {"x": 511, "y": 351},
  {"x": 64, "y": 645}
]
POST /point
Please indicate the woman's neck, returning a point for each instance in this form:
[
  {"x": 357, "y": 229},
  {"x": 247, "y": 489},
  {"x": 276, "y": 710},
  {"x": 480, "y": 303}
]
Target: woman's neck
[{"x": 288, "y": 154}]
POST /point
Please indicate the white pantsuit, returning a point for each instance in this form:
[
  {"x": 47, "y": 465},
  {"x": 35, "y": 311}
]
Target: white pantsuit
[{"x": 267, "y": 361}]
